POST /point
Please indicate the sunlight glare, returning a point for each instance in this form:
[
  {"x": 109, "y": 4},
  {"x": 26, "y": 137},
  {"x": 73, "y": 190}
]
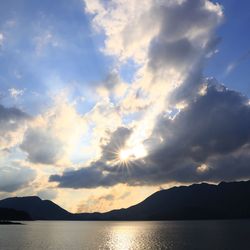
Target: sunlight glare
[
  {"x": 124, "y": 155},
  {"x": 139, "y": 151},
  {"x": 130, "y": 154}
]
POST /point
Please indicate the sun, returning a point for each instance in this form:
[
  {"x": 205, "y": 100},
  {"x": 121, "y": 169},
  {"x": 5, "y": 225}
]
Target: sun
[
  {"x": 124, "y": 155},
  {"x": 128, "y": 156}
]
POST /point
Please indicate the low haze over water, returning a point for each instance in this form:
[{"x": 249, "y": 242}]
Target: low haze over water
[{"x": 177, "y": 235}]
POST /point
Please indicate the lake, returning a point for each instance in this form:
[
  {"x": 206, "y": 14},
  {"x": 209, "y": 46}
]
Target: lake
[{"x": 177, "y": 235}]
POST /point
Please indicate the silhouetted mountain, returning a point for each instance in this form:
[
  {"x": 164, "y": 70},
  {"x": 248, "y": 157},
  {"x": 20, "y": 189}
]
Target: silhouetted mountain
[
  {"x": 38, "y": 209},
  {"x": 7, "y": 214},
  {"x": 198, "y": 201}
]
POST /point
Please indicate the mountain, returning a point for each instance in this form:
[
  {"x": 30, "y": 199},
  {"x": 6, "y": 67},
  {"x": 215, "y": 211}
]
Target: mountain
[
  {"x": 38, "y": 209},
  {"x": 198, "y": 201},
  {"x": 12, "y": 214}
]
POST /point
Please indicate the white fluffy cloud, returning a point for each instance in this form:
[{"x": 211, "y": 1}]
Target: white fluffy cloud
[
  {"x": 130, "y": 27},
  {"x": 55, "y": 135}
]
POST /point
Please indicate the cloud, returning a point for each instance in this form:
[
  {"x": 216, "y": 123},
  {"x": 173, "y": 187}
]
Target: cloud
[
  {"x": 44, "y": 40},
  {"x": 111, "y": 80},
  {"x": 97, "y": 173},
  {"x": 14, "y": 177},
  {"x": 103, "y": 118},
  {"x": 170, "y": 41},
  {"x": 104, "y": 201},
  {"x": 235, "y": 64},
  {"x": 55, "y": 136},
  {"x": 117, "y": 20},
  {"x": 130, "y": 30},
  {"x": 15, "y": 93},
  {"x": 90, "y": 177},
  {"x": 112, "y": 85},
  {"x": 116, "y": 141},
  {"x": 171, "y": 54},
  {"x": 209, "y": 129},
  {"x": 41, "y": 146},
  {"x": 1, "y": 39},
  {"x": 204, "y": 142},
  {"x": 95, "y": 202},
  {"x": 13, "y": 123}
]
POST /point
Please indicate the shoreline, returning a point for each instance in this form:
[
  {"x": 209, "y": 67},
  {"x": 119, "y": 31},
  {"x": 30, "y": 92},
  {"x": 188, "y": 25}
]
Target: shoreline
[{"x": 10, "y": 223}]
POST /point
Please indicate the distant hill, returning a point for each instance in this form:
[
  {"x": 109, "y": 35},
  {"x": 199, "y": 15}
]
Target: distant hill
[
  {"x": 198, "y": 201},
  {"x": 12, "y": 214},
  {"x": 38, "y": 209}
]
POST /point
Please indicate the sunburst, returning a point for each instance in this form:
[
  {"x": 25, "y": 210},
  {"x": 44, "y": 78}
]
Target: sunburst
[
  {"x": 124, "y": 155},
  {"x": 124, "y": 158}
]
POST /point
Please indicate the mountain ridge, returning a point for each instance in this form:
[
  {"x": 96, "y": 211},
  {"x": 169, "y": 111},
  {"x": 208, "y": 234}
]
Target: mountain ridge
[
  {"x": 227, "y": 200},
  {"x": 37, "y": 208}
]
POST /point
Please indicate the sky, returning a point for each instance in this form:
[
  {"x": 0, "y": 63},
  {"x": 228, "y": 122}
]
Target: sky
[{"x": 103, "y": 102}]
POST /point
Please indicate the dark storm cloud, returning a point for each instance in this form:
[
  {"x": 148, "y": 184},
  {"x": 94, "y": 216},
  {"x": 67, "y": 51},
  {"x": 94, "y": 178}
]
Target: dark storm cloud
[
  {"x": 89, "y": 177},
  {"x": 41, "y": 146},
  {"x": 217, "y": 122},
  {"x": 207, "y": 141},
  {"x": 212, "y": 128}
]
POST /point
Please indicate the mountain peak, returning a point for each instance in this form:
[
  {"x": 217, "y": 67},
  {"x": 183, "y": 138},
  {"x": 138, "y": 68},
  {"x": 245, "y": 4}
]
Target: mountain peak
[
  {"x": 37, "y": 208},
  {"x": 24, "y": 198}
]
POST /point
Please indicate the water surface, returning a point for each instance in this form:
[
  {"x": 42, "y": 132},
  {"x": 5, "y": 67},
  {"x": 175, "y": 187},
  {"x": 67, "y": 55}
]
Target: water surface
[{"x": 177, "y": 235}]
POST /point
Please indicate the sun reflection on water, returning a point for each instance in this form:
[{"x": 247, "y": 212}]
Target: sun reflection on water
[{"x": 122, "y": 238}]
